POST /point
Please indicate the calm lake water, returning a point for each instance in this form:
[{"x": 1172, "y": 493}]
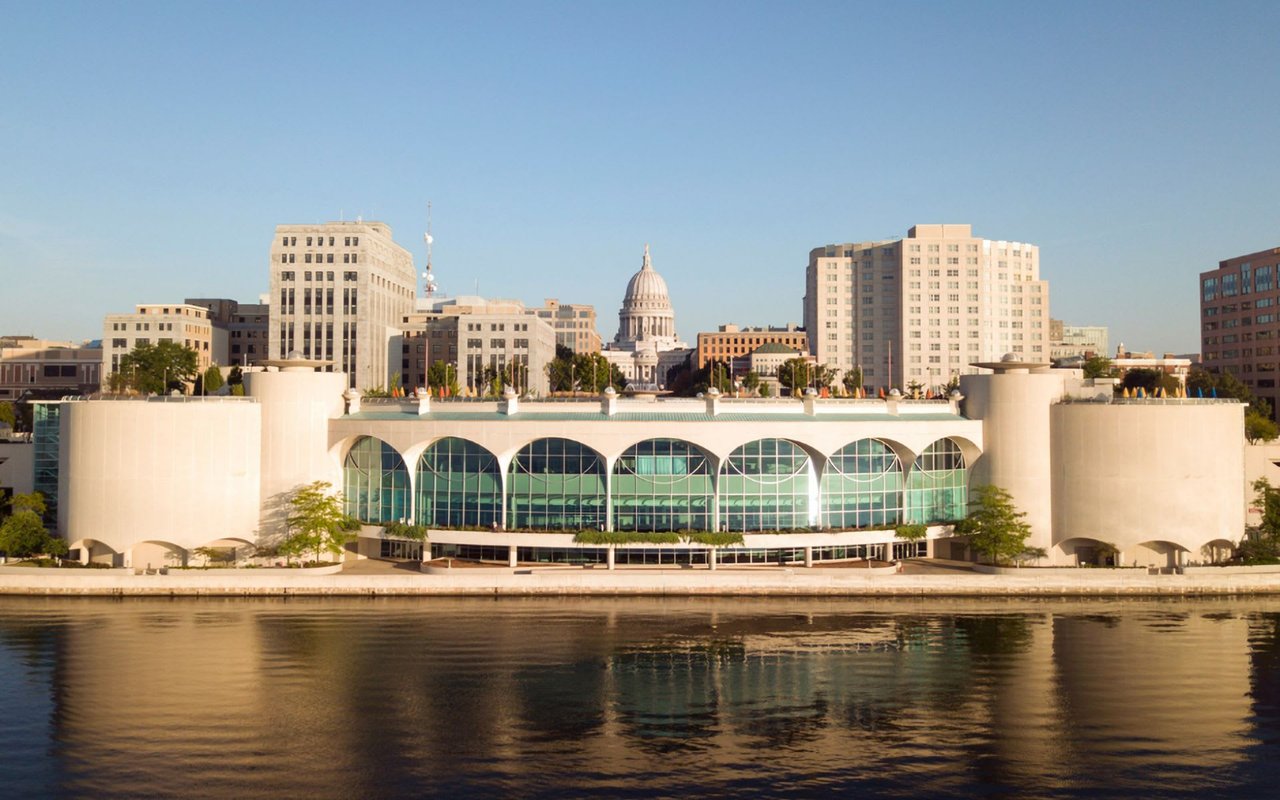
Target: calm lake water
[{"x": 638, "y": 697}]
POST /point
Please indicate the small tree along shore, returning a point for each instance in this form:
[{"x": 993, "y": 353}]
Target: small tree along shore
[
  {"x": 23, "y": 534},
  {"x": 317, "y": 523},
  {"x": 995, "y": 528}
]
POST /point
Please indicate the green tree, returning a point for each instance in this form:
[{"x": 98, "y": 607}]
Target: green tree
[
  {"x": 1149, "y": 380},
  {"x": 316, "y": 522},
  {"x": 751, "y": 381},
  {"x": 22, "y": 534},
  {"x": 823, "y": 376},
  {"x": 1259, "y": 427},
  {"x": 443, "y": 375},
  {"x": 1097, "y": 367},
  {"x": 212, "y": 379},
  {"x": 852, "y": 380},
  {"x": 158, "y": 368},
  {"x": 8, "y": 415},
  {"x": 1261, "y": 542},
  {"x": 912, "y": 533},
  {"x": 794, "y": 375},
  {"x": 765, "y": 391},
  {"x": 995, "y": 527}
]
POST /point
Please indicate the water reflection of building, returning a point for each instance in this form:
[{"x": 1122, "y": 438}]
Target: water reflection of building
[{"x": 297, "y": 698}]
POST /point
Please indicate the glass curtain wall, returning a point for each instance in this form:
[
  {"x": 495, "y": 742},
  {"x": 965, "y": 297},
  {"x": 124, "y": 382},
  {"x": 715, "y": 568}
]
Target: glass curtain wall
[
  {"x": 375, "y": 482},
  {"x": 764, "y": 486},
  {"x": 937, "y": 484},
  {"x": 458, "y": 484},
  {"x": 662, "y": 485},
  {"x": 862, "y": 486},
  {"x": 556, "y": 484}
]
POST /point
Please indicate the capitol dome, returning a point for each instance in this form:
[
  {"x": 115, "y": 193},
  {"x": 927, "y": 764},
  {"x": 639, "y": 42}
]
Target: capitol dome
[{"x": 646, "y": 308}]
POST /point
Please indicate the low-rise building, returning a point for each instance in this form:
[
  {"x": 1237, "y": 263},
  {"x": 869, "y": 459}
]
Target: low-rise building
[
  {"x": 731, "y": 341},
  {"x": 31, "y": 367},
  {"x": 1077, "y": 341},
  {"x": 574, "y": 324},
  {"x": 478, "y": 337},
  {"x": 241, "y": 331},
  {"x": 152, "y": 323}
]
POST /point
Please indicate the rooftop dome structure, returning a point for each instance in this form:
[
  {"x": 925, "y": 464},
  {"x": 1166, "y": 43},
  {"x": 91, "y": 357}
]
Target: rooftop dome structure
[{"x": 646, "y": 308}]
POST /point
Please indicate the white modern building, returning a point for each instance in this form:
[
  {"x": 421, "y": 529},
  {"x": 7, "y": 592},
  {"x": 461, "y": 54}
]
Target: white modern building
[{"x": 144, "y": 481}]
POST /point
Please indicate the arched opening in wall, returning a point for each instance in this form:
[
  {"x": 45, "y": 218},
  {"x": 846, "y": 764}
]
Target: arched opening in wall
[
  {"x": 1156, "y": 553},
  {"x": 221, "y": 552},
  {"x": 862, "y": 486},
  {"x": 155, "y": 554},
  {"x": 765, "y": 485},
  {"x": 556, "y": 484},
  {"x": 1087, "y": 552},
  {"x": 458, "y": 484},
  {"x": 662, "y": 485},
  {"x": 375, "y": 482},
  {"x": 937, "y": 485},
  {"x": 1218, "y": 551},
  {"x": 92, "y": 551}
]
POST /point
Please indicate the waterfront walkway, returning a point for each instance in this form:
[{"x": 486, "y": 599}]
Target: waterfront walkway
[{"x": 374, "y": 577}]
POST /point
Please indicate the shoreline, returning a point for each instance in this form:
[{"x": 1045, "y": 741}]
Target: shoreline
[{"x": 559, "y": 581}]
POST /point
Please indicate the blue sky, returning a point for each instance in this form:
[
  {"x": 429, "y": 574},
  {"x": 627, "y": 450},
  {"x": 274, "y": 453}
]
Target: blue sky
[{"x": 147, "y": 150}]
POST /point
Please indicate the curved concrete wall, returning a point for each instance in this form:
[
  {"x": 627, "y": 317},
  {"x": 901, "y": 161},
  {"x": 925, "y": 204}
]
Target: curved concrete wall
[
  {"x": 297, "y": 407},
  {"x": 1166, "y": 474},
  {"x": 136, "y": 471},
  {"x": 1014, "y": 409}
]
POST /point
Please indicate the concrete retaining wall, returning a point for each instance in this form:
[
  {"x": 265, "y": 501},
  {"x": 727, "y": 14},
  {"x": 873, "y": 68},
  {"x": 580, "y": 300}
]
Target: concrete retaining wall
[{"x": 724, "y": 581}]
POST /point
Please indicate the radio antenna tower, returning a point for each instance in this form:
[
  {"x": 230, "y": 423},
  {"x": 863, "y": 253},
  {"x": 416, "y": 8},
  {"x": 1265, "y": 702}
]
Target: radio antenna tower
[{"x": 428, "y": 277}]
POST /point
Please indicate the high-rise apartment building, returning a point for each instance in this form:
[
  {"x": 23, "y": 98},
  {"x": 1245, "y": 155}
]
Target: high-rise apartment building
[
  {"x": 575, "y": 324},
  {"x": 154, "y": 323},
  {"x": 925, "y": 308},
  {"x": 338, "y": 293},
  {"x": 1240, "y": 322}
]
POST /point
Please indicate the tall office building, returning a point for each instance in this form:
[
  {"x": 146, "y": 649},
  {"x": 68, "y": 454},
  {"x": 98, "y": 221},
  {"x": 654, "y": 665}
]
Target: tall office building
[
  {"x": 924, "y": 308},
  {"x": 338, "y": 293},
  {"x": 1239, "y": 321}
]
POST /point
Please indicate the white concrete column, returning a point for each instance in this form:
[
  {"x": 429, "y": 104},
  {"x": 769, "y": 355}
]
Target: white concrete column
[
  {"x": 610, "y": 558},
  {"x": 512, "y": 559},
  {"x": 711, "y": 558},
  {"x": 808, "y": 556}
]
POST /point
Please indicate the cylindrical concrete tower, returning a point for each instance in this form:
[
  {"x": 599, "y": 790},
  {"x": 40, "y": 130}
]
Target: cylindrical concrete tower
[
  {"x": 1013, "y": 405},
  {"x": 297, "y": 403}
]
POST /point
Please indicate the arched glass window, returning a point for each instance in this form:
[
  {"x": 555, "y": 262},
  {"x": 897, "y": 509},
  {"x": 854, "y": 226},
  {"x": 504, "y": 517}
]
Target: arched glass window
[
  {"x": 764, "y": 486},
  {"x": 662, "y": 485},
  {"x": 937, "y": 484},
  {"x": 862, "y": 486},
  {"x": 375, "y": 482},
  {"x": 556, "y": 484},
  {"x": 458, "y": 483}
]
